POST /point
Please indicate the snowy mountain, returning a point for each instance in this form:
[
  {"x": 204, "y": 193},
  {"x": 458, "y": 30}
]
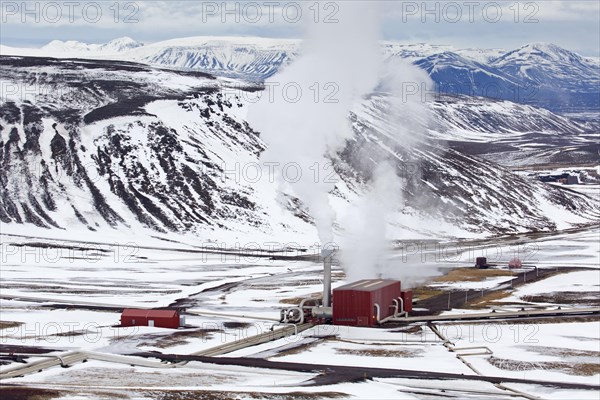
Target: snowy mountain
[
  {"x": 543, "y": 75},
  {"x": 457, "y": 75},
  {"x": 544, "y": 56},
  {"x": 513, "y": 134},
  {"x": 123, "y": 145},
  {"x": 250, "y": 58},
  {"x": 558, "y": 79},
  {"x": 74, "y": 47}
]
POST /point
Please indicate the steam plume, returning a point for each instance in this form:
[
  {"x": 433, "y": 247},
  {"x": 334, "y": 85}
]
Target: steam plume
[
  {"x": 339, "y": 64},
  {"x": 343, "y": 62}
]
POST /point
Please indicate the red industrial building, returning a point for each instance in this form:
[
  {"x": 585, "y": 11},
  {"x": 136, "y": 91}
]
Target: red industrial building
[
  {"x": 356, "y": 304},
  {"x": 156, "y": 318}
]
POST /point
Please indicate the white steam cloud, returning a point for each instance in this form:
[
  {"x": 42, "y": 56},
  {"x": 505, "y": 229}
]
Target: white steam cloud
[
  {"x": 366, "y": 245},
  {"x": 366, "y": 226},
  {"x": 339, "y": 64}
]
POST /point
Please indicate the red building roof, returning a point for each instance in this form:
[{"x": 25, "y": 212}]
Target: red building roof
[
  {"x": 137, "y": 312},
  {"x": 368, "y": 285}
]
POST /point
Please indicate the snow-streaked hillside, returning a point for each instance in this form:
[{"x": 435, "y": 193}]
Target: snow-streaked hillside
[
  {"x": 252, "y": 58},
  {"x": 539, "y": 74},
  {"x": 531, "y": 59},
  {"x": 117, "y": 144},
  {"x": 141, "y": 147},
  {"x": 560, "y": 79},
  {"x": 469, "y": 190},
  {"x": 513, "y": 134}
]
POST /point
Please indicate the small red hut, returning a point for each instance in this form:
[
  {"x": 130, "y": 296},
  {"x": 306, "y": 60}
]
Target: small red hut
[
  {"x": 515, "y": 263},
  {"x": 156, "y": 318}
]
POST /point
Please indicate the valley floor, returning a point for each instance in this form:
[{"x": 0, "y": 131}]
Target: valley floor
[{"x": 64, "y": 298}]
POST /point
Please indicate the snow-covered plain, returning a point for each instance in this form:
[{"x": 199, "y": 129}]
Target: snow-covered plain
[
  {"x": 63, "y": 311},
  {"x": 532, "y": 347}
]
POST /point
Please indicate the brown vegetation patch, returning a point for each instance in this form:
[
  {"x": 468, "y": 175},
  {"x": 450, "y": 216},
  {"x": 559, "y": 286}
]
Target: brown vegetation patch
[
  {"x": 296, "y": 300},
  {"x": 109, "y": 395},
  {"x": 82, "y": 291},
  {"x": 303, "y": 346},
  {"x": 410, "y": 329},
  {"x": 564, "y": 353},
  {"x": 9, "y": 324},
  {"x": 218, "y": 395},
  {"x": 69, "y": 333},
  {"x": 472, "y": 275},
  {"x": 378, "y": 352},
  {"x": 26, "y": 393},
  {"x": 571, "y": 368},
  {"x": 236, "y": 325},
  {"x": 425, "y": 292},
  {"x": 571, "y": 298},
  {"x": 537, "y": 321},
  {"x": 178, "y": 337}
]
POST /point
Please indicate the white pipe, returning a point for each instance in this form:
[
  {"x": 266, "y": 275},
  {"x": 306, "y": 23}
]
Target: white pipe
[
  {"x": 70, "y": 358},
  {"x": 322, "y": 312},
  {"x": 304, "y": 301},
  {"x": 300, "y": 314},
  {"x": 397, "y": 307},
  {"x": 402, "y": 311},
  {"x": 283, "y": 315},
  {"x": 391, "y": 318},
  {"x": 378, "y": 313},
  {"x": 218, "y": 314},
  {"x": 395, "y": 315}
]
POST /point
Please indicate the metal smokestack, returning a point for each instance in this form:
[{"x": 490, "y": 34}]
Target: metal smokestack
[{"x": 327, "y": 255}]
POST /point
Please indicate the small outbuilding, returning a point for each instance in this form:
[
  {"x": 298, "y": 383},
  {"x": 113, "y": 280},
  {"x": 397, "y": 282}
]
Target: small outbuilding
[
  {"x": 155, "y": 318},
  {"x": 515, "y": 263},
  {"x": 481, "y": 263}
]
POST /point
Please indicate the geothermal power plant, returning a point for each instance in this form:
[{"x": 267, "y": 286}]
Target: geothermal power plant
[
  {"x": 368, "y": 302},
  {"x": 364, "y": 303}
]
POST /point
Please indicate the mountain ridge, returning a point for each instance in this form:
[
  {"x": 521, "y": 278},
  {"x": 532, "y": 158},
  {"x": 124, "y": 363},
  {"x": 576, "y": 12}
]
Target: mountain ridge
[
  {"x": 540, "y": 74},
  {"x": 119, "y": 145}
]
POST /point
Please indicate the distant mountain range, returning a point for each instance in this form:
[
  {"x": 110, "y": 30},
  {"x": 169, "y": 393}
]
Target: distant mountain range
[{"x": 539, "y": 74}]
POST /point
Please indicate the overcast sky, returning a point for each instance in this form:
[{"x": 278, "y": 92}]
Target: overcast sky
[{"x": 481, "y": 24}]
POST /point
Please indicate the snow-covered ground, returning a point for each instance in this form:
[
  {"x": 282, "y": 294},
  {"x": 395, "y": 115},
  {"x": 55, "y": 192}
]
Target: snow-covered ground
[
  {"x": 62, "y": 291},
  {"x": 583, "y": 285},
  {"x": 132, "y": 275},
  {"x": 533, "y": 350}
]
